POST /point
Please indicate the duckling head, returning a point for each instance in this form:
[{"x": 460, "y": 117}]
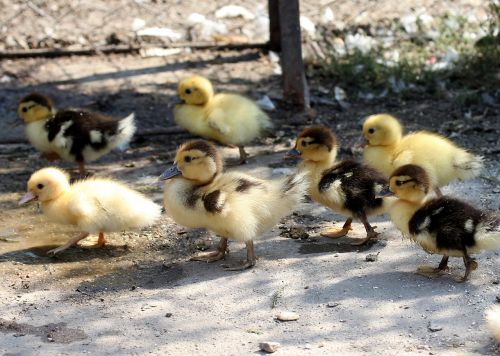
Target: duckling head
[
  {"x": 317, "y": 144},
  {"x": 46, "y": 184},
  {"x": 34, "y": 107},
  {"x": 382, "y": 130},
  {"x": 195, "y": 90},
  {"x": 410, "y": 182},
  {"x": 197, "y": 160}
]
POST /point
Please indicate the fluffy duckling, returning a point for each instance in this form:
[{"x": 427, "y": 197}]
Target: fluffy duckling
[
  {"x": 348, "y": 187},
  {"x": 493, "y": 321},
  {"x": 75, "y": 135},
  {"x": 227, "y": 118},
  {"x": 387, "y": 149},
  {"x": 442, "y": 225},
  {"x": 236, "y": 206},
  {"x": 94, "y": 205}
]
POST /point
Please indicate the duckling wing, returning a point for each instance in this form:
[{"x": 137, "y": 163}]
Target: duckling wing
[
  {"x": 216, "y": 120},
  {"x": 353, "y": 186}
]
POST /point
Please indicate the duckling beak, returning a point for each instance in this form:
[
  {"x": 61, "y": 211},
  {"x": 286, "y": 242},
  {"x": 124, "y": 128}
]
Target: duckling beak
[
  {"x": 385, "y": 192},
  {"x": 170, "y": 173},
  {"x": 361, "y": 142},
  {"x": 27, "y": 198},
  {"x": 293, "y": 153}
]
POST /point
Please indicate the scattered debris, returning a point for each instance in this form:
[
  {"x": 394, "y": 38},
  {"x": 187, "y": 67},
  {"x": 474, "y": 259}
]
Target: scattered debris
[
  {"x": 295, "y": 232},
  {"x": 269, "y": 346},
  {"x": 159, "y": 52},
  {"x": 265, "y": 103},
  {"x": 332, "y": 304},
  {"x": 159, "y": 32},
  {"x": 433, "y": 327},
  {"x": 308, "y": 26},
  {"x": 275, "y": 299},
  {"x": 287, "y": 316},
  {"x": 372, "y": 257}
]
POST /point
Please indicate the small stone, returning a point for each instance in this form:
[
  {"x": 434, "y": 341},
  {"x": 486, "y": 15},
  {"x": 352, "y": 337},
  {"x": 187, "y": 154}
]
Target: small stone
[
  {"x": 287, "y": 316},
  {"x": 372, "y": 257},
  {"x": 433, "y": 327},
  {"x": 168, "y": 315},
  {"x": 269, "y": 346},
  {"x": 332, "y": 304}
]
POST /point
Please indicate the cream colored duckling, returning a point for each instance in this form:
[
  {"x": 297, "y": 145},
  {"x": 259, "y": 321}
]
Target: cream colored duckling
[
  {"x": 387, "y": 149},
  {"x": 443, "y": 225},
  {"x": 94, "y": 205},
  {"x": 348, "y": 187},
  {"x": 234, "y": 205},
  {"x": 227, "y": 118},
  {"x": 493, "y": 321}
]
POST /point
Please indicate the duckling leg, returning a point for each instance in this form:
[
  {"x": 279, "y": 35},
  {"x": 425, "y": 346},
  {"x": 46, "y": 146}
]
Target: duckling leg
[
  {"x": 213, "y": 256},
  {"x": 371, "y": 234},
  {"x": 68, "y": 244},
  {"x": 433, "y": 272},
  {"x": 470, "y": 265},
  {"x": 336, "y": 233},
  {"x": 249, "y": 263},
  {"x": 50, "y": 156},
  {"x": 101, "y": 241},
  {"x": 243, "y": 155},
  {"x": 438, "y": 192},
  {"x": 81, "y": 169}
]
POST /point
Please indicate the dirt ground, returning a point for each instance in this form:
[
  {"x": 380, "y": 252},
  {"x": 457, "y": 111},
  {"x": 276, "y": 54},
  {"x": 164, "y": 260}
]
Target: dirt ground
[{"x": 142, "y": 295}]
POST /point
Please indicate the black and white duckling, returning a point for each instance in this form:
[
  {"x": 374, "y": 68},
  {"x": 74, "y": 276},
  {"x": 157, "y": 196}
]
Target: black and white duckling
[
  {"x": 348, "y": 187},
  {"x": 74, "y": 135},
  {"x": 443, "y": 225},
  {"x": 234, "y": 205},
  {"x": 228, "y": 118},
  {"x": 444, "y": 161},
  {"x": 94, "y": 205}
]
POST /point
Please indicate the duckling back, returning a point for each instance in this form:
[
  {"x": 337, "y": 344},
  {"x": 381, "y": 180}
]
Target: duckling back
[
  {"x": 441, "y": 158},
  {"x": 228, "y": 118},
  {"x": 105, "y": 205}
]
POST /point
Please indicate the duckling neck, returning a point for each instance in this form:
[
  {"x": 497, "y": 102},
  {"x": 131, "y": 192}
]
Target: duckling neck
[
  {"x": 55, "y": 208},
  {"x": 401, "y": 212}
]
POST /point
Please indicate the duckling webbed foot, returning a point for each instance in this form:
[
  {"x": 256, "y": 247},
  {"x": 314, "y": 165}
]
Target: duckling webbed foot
[
  {"x": 433, "y": 272},
  {"x": 213, "y": 256},
  {"x": 50, "y": 156},
  {"x": 243, "y": 155},
  {"x": 249, "y": 263},
  {"x": 470, "y": 265},
  {"x": 371, "y": 234},
  {"x": 68, "y": 244},
  {"x": 336, "y": 233}
]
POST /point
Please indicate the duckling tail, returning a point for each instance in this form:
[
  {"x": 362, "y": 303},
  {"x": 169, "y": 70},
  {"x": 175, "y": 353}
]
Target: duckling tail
[
  {"x": 295, "y": 185},
  {"x": 493, "y": 321},
  {"x": 468, "y": 165},
  {"x": 488, "y": 233},
  {"x": 126, "y": 129}
]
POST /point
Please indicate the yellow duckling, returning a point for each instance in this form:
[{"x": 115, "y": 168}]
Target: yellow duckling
[
  {"x": 236, "y": 206},
  {"x": 227, "y": 118},
  {"x": 493, "y": 321},
  {"x": 94, "y": 205},
  {"x": 387, "y": 149},
  {"x": 76, "y": 135},
  {"x": 443, "y": 225},
  {"x": 347, "y": 187}
]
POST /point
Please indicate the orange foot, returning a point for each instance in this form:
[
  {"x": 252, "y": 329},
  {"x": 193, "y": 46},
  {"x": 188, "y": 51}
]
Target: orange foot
[
  {"x": 50, "y": 156},
  {"x": 336, "y": 233}
]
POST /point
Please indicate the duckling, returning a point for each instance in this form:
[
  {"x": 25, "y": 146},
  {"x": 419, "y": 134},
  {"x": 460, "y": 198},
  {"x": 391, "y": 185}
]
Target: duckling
[
  {"x": 493, "y": 321},
  {"x": 234, "y": 205},
  {"x": 230, "y": 119},
  {"x": 73, "y": 134},
  {"x": 94, "y": 205},
  {"x": 387, "y": 149},
  {"x": 442, "y": 225},
  {"x": 347, "y": 187}
]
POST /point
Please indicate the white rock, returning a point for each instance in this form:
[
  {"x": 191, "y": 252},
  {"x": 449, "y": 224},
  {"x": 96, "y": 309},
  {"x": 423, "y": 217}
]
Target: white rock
[
  {"x": 232, "y": 11},
  {"x": 195, "y": 18},
  {"x": 282, "y": 171},
  {"x": 327, "y": 16},
  {"x": 308, "y": 26},
  {"x": 160, "y": 32},
  {"x": 287, "y": 316},
  {"x": 359, "y": 42},
  {"x": 137, "y": 24},
  {"x": 339, "y": 93},
  {"x": 269, "y": 346},
  {"x": 266, "y": 104}
]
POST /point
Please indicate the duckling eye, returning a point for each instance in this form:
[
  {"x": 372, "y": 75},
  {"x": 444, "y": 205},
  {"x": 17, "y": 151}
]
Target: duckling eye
[
  {"x": 25, "y": 109},
  {"x": 40, "y": 186},
  {"x": 371, "y": 130},
  {"x": 399, "y": 183},
  {"x": 187, "y": 91},
  {"x": 188, "y": 159},
  {"x": 304, "y": 143}
]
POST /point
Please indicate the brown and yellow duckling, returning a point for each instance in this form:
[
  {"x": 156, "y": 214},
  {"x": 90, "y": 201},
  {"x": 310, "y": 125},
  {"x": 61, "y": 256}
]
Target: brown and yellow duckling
[
  {"x": 443, "y": 225},
  {"x": 227, "y": 118},
  {"x": 234, "y": 205},
  {"x": 387, "y": 149},
  {"x": 348, "y": 187},
  {"x": 74, "y": 135}
]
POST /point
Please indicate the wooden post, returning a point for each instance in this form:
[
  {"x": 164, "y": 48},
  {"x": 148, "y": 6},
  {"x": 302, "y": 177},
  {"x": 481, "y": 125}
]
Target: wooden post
[
  {"x": 274, "y": 25},
  {"x": 294, "y": 79}
]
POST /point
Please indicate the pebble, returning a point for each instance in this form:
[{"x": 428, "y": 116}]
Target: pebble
[
  {"x": 433, "y": 327},
  {"x": 269, "y": 346},
  {"x": 332, "y": 304},
  {"x": 372, "y": 257},
  {"x": 287, "y": 316}
]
